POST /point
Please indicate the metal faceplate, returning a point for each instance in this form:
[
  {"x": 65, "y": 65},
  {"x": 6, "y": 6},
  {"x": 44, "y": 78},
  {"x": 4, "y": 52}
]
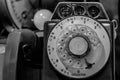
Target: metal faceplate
[
  {"x": 78, "y": 47},
  {"x": 90, "y": 9}
]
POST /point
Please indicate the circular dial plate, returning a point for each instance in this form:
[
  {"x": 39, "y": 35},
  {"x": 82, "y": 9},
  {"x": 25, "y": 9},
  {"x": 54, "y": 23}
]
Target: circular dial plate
[
  {"x": 21, "y": 11},
  {"x": 84, "y": 28}
]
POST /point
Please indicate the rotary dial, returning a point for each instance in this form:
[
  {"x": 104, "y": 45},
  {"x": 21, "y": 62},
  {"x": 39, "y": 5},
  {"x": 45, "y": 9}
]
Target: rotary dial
[{"x": 78, "y": 47}]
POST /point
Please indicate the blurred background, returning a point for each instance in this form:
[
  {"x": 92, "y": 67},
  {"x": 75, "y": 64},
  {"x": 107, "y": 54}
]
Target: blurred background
[{"x": 112, "y": 8}]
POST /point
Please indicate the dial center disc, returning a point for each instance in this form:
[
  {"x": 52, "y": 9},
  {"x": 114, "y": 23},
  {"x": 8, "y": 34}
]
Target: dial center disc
[{"x": 78, "y": 46}]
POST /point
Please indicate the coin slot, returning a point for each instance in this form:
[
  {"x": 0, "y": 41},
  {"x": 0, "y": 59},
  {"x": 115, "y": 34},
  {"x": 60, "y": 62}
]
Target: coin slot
[
  {"x": 79, "y": 10},
  {"x": 65, "y": 11},
  {"x": 93, "y": 11}
]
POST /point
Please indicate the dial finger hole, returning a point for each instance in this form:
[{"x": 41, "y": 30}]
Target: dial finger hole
[
  {"x": 90, "y": 33},
  {"x": 60, "y": 49},
  {"x": 83, "y": 30},
  {"x": 94, "y": 40},
  {"x": 79, "y": 65},
  {"x": 63, "y": 55},
  {"x": 69, "y": 62},
  {"x": 74, "y": 29}
]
